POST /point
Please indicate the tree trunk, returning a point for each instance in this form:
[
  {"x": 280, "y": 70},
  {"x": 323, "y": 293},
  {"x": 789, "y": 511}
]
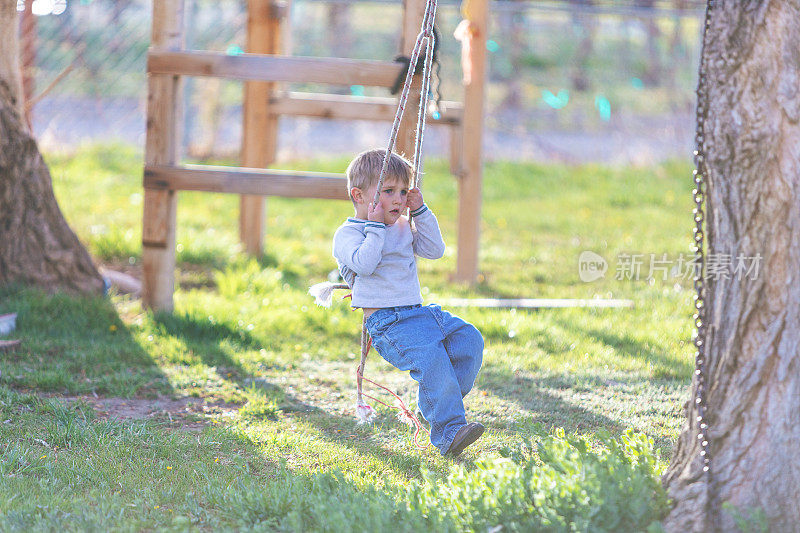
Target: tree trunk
[
  {"x": 37, "y": 247},
  {"x": 511, "y": 24},
  {"x": 753, "y": 335},
  {"x": 339, "y": 31},
  {"x": 587, "y": 22},
  {"x": 9, "y": 53},
  {"x": 675, "y": 55},
  {"x": 652, "y": 73}
]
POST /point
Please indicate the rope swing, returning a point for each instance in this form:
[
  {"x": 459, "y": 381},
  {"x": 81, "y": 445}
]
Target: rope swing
[
  {"x": 427, "y": 38},
  {"x": 323, "y": 292}
]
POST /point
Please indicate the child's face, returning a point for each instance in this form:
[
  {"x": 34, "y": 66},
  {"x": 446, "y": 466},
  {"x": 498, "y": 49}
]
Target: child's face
[{"x": 393, "y": 200}]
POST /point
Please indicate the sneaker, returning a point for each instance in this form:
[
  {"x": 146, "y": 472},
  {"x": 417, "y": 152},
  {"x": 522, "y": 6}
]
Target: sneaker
[{"x": 464, "y": 437}]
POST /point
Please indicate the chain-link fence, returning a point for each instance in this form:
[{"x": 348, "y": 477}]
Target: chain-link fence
[{"x": 569, "y": 80}]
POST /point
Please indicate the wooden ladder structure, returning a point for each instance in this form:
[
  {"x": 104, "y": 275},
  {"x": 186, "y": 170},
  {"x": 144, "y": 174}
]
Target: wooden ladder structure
[{"x": 262, "y": 68}]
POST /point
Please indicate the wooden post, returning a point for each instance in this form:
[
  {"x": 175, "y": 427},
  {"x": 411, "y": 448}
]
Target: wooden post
[
  {"x": 469, "y": 186},
  {"x": 413, "y": 13},
  {"x": 162, "y": 147},
  {"x": 260, "y": 126}
]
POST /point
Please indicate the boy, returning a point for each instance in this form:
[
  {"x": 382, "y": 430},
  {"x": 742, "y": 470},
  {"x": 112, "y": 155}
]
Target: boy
[{"x": 375, "y": 253}]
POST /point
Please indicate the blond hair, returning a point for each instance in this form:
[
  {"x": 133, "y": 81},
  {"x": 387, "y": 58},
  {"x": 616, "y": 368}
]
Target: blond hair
[{"x": 364, "y": 171}]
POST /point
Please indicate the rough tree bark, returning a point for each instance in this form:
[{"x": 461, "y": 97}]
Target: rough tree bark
[
  {"x": 753, "y": 338},
  {"x": 37, "y": 247},
  {"x": 9, "y": 52}
]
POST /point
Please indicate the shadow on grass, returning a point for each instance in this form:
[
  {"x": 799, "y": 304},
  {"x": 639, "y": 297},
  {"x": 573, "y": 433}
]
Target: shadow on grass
[
  {"x": 550, "y": 411},
  {"x": 545, "y": 408},
  {"x": 667, "y": 366},
  {"x": 203, "y": 337},
  {"x": 345, "y": 431},
  {"x": 625, "y": 345},
  {"x": 75, "y": 345},
  {"x": 79, "y": 345}
]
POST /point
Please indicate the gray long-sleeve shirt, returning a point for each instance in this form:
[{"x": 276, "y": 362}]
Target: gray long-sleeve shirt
[{"x": 378, "y": 260}]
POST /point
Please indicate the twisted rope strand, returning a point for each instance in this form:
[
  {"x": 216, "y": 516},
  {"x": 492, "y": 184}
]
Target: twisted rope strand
[
  {"x": 425, "y": 34},
  {"x": 423, "y": 113}
]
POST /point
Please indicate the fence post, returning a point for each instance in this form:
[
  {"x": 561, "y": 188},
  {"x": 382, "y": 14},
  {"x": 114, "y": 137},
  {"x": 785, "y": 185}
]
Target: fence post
[
  {"x": 470, "y": 182},
  {"x": 260, "y": 125},
  {"x": 162, "y": 147}
]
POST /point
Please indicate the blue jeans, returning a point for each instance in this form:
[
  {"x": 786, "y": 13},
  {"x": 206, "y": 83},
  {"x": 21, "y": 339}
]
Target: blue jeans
[{"x": 444, "y": 355}]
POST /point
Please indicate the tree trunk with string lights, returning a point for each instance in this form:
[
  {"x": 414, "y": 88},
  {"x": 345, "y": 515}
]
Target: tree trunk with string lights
[
  {"x": 37, "y": 247},
  {"x": 752, "y": 337}
]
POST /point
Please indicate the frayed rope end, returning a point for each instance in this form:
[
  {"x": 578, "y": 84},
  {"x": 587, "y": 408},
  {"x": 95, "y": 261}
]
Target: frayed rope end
[
  {"x": 364, "y": 412},
  {"x": 322, "y": 293}
]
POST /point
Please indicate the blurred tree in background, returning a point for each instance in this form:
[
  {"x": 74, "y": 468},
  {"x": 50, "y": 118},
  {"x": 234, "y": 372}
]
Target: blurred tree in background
[{"x": 37, "y": 247}]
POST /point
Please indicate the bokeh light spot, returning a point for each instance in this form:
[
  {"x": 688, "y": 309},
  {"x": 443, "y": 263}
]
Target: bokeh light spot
[
  {"x": 556, "y": 101},
  {"x": 603, "y": 107}
]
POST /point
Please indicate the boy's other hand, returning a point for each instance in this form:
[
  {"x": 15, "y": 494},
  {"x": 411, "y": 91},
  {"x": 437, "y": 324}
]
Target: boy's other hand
[
  {"x": 375, "y": 212},
  {"x": 414, "y": 199}
]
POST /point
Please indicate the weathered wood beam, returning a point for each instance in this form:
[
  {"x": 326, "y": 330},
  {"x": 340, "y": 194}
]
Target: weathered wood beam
[
  {"x": 335, "y": 106},
  {"x": 237, "y": 180},
  {"x": 263, "y": 67}
]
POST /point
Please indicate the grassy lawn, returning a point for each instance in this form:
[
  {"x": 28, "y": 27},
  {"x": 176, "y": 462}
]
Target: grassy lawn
[{"x": 236, "y": 411}]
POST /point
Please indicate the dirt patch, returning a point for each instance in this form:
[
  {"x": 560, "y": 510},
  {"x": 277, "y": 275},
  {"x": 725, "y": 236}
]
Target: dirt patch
[
  {"x": 136, "y": 408},
  {"x": 184, "y": 413}
]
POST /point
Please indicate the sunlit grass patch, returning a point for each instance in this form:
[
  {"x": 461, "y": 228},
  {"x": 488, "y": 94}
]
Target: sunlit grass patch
[{"x": 270, "y": 376}]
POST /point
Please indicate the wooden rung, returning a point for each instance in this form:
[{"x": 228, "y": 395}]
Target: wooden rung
[
  {"x": 535, "y": 303},
  {"x": 263, "y": 67},
  {"x": 264, "y": 182},
  {"x": 344, "y": 107}
]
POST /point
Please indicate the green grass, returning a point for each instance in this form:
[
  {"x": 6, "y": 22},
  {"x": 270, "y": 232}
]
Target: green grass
[{"x": 271, "y": 375}]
